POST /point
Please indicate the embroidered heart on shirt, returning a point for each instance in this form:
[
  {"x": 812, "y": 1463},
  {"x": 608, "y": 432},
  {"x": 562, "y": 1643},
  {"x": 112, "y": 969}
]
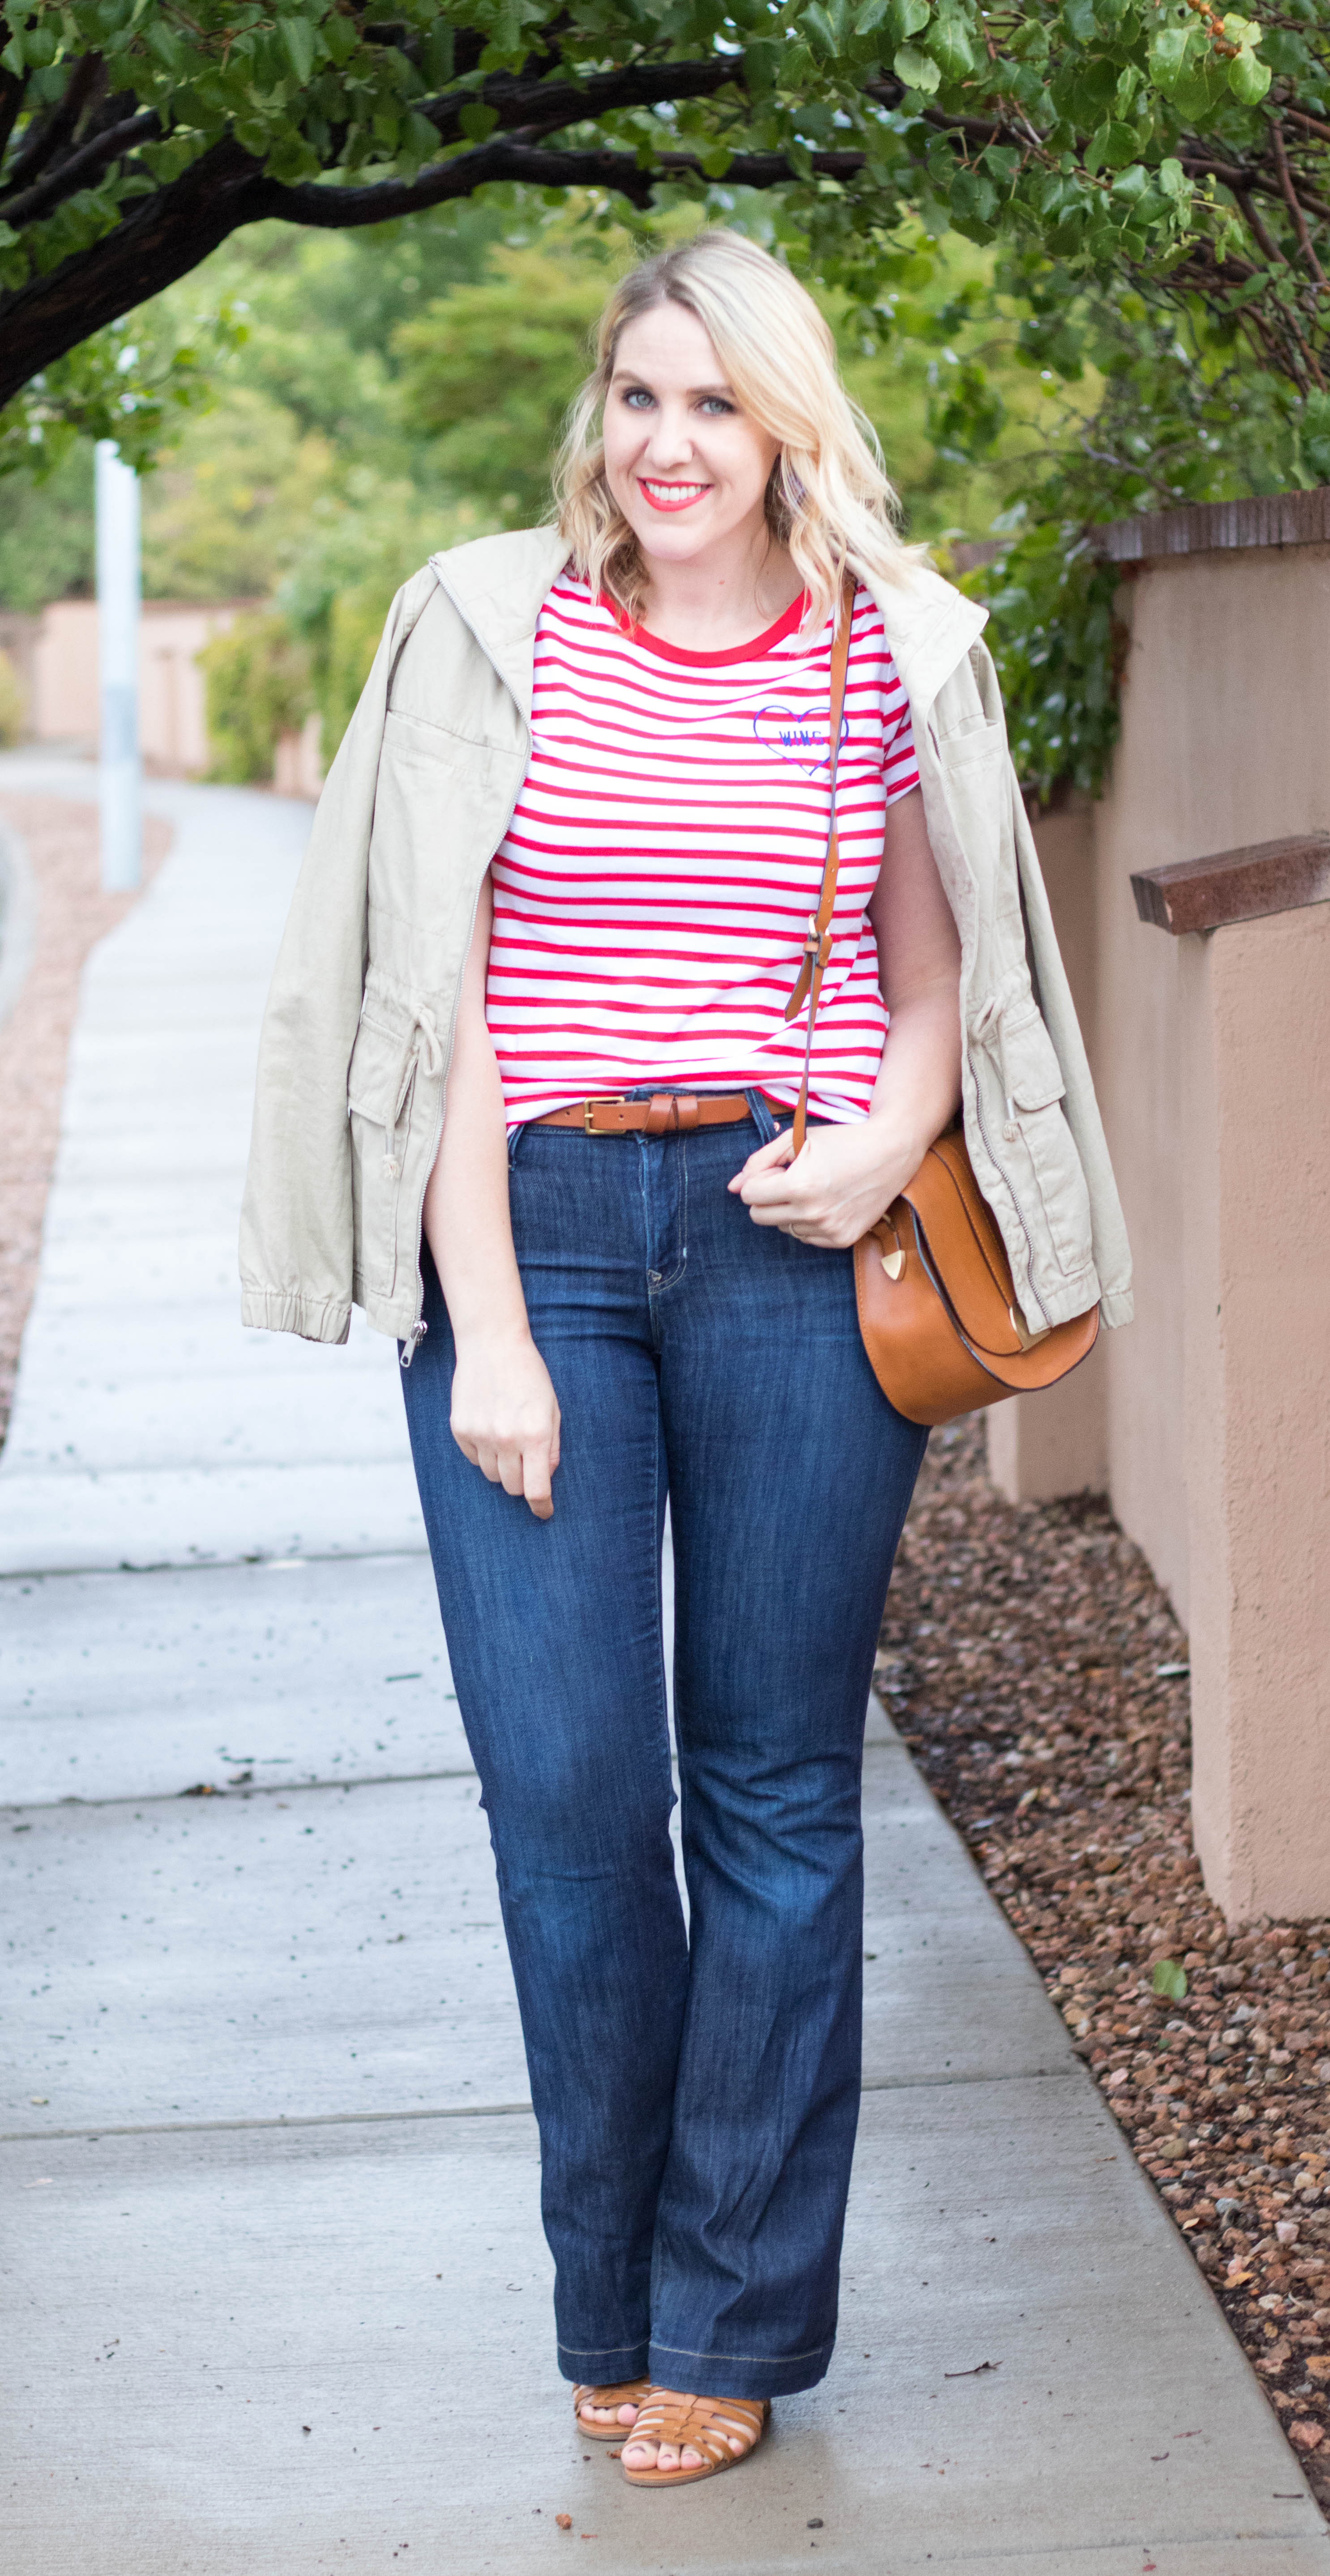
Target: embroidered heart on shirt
[{"x": 801, "y": 739}]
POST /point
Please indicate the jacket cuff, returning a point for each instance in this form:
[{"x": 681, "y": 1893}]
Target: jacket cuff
[
  {"x": 1116, "y": 1306},
  {"x": 271, "y": 1310}
]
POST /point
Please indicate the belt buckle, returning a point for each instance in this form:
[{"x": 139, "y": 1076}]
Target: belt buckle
[{"x": 604, "y": 1100}]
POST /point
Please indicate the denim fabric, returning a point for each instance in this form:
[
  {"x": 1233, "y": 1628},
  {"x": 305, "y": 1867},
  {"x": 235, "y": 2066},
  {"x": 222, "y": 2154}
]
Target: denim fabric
[{"x": 697, "y": 2091}]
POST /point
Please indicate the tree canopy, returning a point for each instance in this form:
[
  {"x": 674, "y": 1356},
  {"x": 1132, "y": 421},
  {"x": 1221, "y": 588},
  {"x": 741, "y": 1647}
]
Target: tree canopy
[{"x": 1088, "y": 139}]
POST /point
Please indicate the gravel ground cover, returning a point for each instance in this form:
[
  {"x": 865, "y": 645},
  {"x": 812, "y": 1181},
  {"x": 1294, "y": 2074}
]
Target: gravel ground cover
[
  {"x": 1039, "y": 1677},
  {"x": 72, "y": 914}
]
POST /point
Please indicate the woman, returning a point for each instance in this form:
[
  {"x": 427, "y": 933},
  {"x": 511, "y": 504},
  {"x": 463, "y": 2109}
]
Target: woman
[{"x": 565, "y": 860}]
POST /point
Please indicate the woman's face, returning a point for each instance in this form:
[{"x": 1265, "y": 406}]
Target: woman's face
[{"x": 687, "y": 467}]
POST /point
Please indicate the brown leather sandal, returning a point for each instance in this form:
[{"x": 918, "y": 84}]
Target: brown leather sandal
[
  {"x": 701, "y": 2424},
  {"x": 630, "y": 2392}
]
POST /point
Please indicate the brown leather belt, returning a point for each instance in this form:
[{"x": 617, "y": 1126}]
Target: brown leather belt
[{"x": 666, "y": 1113}]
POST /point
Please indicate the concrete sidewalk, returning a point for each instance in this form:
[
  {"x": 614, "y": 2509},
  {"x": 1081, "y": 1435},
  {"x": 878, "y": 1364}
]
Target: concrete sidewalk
[{"x": 277, "y": 2294}]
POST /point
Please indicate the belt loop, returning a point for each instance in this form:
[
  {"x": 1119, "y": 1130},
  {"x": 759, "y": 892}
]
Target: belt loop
[
  {"x": 513, "y": 1142},
  {"x": 759, "y": 1110}
]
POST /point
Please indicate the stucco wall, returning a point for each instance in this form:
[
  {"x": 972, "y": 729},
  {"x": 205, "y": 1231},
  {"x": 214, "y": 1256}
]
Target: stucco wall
[
  {"x": 1224, "y": 735},
  {"x": 1256, "y": 1277},
  {"x": 65, "y": 703},
  {"x": 1212, "y": 1060}
]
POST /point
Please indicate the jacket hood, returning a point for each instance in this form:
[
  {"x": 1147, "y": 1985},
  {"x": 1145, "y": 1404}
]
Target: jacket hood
[{"x": 499, "y": 585}]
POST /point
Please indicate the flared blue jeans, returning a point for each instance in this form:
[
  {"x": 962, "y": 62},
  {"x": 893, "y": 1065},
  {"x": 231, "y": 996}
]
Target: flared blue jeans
[{"x": 696, "y": 2085}]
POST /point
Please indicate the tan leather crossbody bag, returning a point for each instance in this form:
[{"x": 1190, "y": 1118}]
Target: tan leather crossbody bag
[{"x": 937, "y": 1307}]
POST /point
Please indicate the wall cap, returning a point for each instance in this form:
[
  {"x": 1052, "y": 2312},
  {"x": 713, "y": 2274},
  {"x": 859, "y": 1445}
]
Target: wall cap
[
  {"x": 1213, "y": 527},
  {"x": 1235, "y": 885}
]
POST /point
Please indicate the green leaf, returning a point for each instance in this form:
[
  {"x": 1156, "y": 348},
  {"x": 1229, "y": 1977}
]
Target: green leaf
[
  {"x": 297, "y": 36},
  {"x": 1170, "y": 1979},
  {"x": 1248, "y": 79},
  {"x": 1029, "y": 44},
  {"x": 165, "y": 44},
  {"x": 1112, "y": 147},
  {"x": 871, "y": 16},
  {"x": 341, "y": 39},
  {"x": 420, "y": 140},
  {"x": 950, "y": 46},
  {"x": 1173, "y": 179},
  {"x": 917, "y": 70},
  {"x": 1131, "y": 183},
  {"x": 1080, "y": 18},
  {"x": 478, "y": 121},
  {"x": 436, "y": 53},
  {"x": 762, "y": 65},
  {"x": 39, "y": 46},
  {"x": 1167, "y": 55}
]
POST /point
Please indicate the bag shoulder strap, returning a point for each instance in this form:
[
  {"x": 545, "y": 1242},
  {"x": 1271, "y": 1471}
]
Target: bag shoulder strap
[{"x": 817, "y": 944}]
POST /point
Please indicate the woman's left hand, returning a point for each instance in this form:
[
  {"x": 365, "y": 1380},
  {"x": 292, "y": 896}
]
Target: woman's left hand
[{"x": 841, "y": 1184}]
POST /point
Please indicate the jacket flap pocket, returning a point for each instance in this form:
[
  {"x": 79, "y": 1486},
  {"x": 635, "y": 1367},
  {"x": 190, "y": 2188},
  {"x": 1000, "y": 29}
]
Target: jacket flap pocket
[
  {"x": 1031, "y": 1074},
  {"x": 382, "y": 1063}
]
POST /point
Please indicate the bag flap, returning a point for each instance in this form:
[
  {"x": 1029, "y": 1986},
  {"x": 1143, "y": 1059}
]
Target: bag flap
[{"x": 964, "y": 1247}]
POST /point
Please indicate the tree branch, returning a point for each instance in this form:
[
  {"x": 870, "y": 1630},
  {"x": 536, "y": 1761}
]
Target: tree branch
[
  {"x": 1294, "y": 205},
  {"x": 519, "y": 100},
  {"x": 73, "y": 174},
  {"x": 11, "y": 100},
  {"x": 519, "y": 158},
  {"x": 158, "y": 239},
  {"x": 46, "y": 135}
]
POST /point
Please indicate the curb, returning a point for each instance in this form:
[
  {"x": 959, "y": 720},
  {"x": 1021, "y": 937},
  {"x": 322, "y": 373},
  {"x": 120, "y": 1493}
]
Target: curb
[{"x": 18, "y": 920}]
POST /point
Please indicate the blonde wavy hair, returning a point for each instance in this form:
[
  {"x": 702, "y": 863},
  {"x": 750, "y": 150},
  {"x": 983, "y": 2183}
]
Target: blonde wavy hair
[{"x": 828, "y": 500}]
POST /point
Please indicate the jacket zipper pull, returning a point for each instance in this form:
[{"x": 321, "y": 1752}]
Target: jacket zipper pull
[{"x": 412, "y": 1343}]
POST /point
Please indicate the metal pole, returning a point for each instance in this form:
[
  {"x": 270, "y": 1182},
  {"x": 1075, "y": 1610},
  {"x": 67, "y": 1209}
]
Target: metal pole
[{"x": 118, "y": 648}]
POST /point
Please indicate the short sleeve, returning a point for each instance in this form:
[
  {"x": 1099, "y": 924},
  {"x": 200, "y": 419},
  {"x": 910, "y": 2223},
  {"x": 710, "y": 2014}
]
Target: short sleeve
[{"x": 899, "y": 762}]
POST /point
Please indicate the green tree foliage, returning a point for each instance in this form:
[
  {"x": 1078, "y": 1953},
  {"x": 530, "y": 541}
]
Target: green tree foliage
[
  {"x": 256, "y": 686},
  {"x": 1089, "y": 146},
  {"x": 225, "y": 516},
  {"x": 489, "y": 373},
  {"x": 1181, "y": 415},
  {"x": 46, "y": 539},
  {"x": 1167, "y": 141}
]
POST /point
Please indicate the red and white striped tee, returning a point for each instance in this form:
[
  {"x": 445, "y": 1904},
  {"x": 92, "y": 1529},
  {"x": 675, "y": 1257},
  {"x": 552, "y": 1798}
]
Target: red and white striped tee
[{"x": 652, "y": 891}]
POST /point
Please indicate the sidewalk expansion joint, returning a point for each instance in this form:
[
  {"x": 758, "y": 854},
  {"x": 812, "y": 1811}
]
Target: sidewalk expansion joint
[
  {"x": 209, "y": 1789},
  {"x": 224, "y": 1564},
  {"x": 275, "y": 1788},
  {"x": 456, "y": 2111}
]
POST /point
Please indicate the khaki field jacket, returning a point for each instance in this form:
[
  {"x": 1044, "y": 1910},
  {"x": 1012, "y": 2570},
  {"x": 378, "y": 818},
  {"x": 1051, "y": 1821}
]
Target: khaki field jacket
[{"x": 358, "y": 1030}]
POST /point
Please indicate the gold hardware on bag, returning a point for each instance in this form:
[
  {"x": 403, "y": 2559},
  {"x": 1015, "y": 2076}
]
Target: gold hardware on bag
[{"x": 893, "y": 1263}]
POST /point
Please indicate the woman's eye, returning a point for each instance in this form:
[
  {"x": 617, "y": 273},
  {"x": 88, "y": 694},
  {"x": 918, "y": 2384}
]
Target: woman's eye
[
  {"x": 637, "y": 398},
  {"x": 715, "y": 403}
]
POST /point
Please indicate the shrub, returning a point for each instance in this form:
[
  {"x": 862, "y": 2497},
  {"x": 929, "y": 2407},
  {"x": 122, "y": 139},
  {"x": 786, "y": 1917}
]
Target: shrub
[
  {"x": 257, "y": 686},
  {"x": 13, "y": 705}
]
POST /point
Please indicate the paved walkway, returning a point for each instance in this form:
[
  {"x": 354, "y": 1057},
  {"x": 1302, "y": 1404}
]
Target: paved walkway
[{"x": 276, "y": 2286}]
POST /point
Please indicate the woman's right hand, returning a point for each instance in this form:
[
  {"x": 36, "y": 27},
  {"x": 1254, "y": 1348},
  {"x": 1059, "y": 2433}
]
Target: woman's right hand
[{"x": 505, "y": 1414}]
